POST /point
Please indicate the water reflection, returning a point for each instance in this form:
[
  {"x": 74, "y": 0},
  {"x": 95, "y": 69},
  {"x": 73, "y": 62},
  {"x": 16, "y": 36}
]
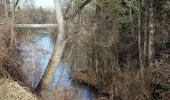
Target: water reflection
[{"x": 38, "y": 54}]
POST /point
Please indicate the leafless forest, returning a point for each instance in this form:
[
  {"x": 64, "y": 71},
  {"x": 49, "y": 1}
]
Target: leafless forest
[{"x": 85, "y": 50}]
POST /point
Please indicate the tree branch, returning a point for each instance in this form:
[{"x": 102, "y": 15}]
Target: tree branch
[
  {"x": 16, "y": 4},
  {"x": 80, "y": 8}
]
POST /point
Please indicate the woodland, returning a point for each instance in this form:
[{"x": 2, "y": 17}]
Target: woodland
[{"x": 118, "y": 49}]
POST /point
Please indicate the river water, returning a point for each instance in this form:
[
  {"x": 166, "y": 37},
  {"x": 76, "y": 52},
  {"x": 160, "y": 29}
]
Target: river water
[{"x": 36, "y": 52}]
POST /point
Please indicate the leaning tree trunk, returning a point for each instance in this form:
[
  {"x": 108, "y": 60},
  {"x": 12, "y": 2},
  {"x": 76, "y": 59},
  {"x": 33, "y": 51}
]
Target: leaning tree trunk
[
  {"x": 57, "y": 52},
  {"x": 151, "y": 32}
]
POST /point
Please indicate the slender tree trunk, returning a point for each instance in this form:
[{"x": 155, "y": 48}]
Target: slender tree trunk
[
  {"x": 145, "y": 52},
  {"x": 12, "y": 22},
  {"x": 8, "y": 3},
  {"x": 6, "y": 8},
  {"x": 139, "y": 36},
  {"x": 95, "y": 48},
  {"x": 151, "y": 32},
  {"x": 131, "y": 17},
  {"x": 142, "y": 69},
  {"x": 57, "y": 52}
]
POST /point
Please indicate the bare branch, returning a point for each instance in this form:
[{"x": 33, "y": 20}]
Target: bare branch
[
  {"x": 80, "y": 8},
  {"x": 16, "y": 4}
]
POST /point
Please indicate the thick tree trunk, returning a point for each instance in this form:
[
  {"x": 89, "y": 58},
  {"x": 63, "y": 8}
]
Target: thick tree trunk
[
  {"x": 57, "y": 52},
  {"x": 151, "y": 32}
]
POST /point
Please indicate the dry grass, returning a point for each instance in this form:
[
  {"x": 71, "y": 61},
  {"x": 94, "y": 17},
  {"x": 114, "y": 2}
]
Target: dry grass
[
  {"x": 10, "y": 90},
  {"x": 85, "y": 76},
  {"x": 119, "y": 85},
  {"x": 10, "y": 67},
  {"x": 10, "y": 60}
]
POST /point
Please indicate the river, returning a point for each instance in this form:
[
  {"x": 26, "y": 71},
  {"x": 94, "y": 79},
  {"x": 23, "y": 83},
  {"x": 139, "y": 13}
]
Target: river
[{"x": 36, "y": 52}]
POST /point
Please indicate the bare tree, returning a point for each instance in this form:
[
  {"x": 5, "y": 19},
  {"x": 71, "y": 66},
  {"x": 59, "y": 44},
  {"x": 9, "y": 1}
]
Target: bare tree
[
  {"x": 58, "y": 48},
  {"x": 57, "y": 52}
]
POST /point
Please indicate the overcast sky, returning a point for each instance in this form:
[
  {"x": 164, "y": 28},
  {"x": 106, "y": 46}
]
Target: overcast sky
[
  {"x": 44, "y": 3},
  {"x": 49, "y": 4}
]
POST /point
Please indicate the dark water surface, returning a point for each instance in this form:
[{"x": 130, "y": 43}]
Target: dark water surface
[{"x": 36, "y": 56}]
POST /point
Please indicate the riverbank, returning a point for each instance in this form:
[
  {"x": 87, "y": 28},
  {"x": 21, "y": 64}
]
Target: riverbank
[
  {"x": 93, "y": 80},
  {"x": 126, "y": 86}
]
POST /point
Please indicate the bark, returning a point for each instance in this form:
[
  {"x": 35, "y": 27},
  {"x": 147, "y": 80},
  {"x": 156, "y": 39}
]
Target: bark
[
  {"x": 6, "y": 9},
  {"x": 16, "y": 4},
  {"x": 151, "y": 32},
  {"x": 142, "y": 69},
  {"x": 139, "y": 35},
  {"x": 145, "y": 52},
  {"x": 131, "y": 17},
  {"x": 13, "y": 24},
  {"x": 80, "y": 8},
  {"x": 57, "y": 52}
]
